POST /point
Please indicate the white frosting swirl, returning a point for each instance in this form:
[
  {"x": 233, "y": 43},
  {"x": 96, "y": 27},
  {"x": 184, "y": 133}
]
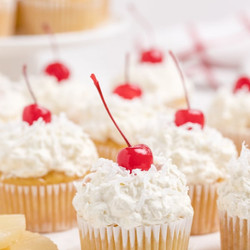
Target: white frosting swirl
[
  {"x": 229, "y": 110},
  {"x": 33, "y": 151},
  {"x": 130, "y": 115},
  {"x": 112, "y": 196},
  {"x": 234, "y": 193},
  {"x": 161, "y": 80},
  {"x": 68, "y": 96},
  {"x": 12, "y": 101},
  {"x": 202, "y": 155}
]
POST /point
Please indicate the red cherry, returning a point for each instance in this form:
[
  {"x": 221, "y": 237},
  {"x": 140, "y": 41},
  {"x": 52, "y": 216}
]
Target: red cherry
[
  {"x": 138, "y": 156},
  {"x": 242, "y": 82},
  {"x": 183, "y": 116},
  {"x": 152, "y": 56},
  {"x": 132, "y": 157},
  {"x": 33, "y": 112},
  {"x": 58, "y": 70},
  {"x": 128, "y": 91}
]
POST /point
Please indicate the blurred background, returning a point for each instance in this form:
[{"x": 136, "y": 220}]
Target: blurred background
[{"x": 221, "y": 27}]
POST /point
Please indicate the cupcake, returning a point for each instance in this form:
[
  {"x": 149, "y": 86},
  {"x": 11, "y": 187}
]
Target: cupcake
[
  {"x": 7, "y": 17},
  {"x": 230, "y": 113},
  {"x": 39, "y": 162},
  {"x": 159, "y": 79},
  {"x": 118, "y": 209},
  {"x": 202, "y": 155},
  {"x": 234, "y": 204},
  {"x": 61, "y": 16}
]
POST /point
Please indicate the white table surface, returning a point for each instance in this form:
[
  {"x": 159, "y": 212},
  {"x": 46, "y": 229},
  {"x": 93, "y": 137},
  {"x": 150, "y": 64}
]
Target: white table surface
[{"x": 69, "y": 240}]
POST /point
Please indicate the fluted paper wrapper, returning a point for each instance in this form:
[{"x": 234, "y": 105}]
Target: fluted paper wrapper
[
  {"x": 234, "y": 232},
  {"x": 48, "y": 208},
  {"x": 203, "y": 199},
  {"x": 61, "y": 16},
  {"x": 162, "y": 237},
  {"x": 238, "y": 137},
  {"x": 108, "y": 149}
]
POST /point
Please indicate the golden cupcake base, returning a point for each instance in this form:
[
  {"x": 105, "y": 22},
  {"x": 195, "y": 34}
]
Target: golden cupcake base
[
  {"x": 234, "y": 232},
  {"x": 161, "y": 237},
  {"x": 47, "y": 207},
  {"x": 204, "y": 203},
  {"x": 61, "y": 16},
  {"x": 108, "y": 149}
]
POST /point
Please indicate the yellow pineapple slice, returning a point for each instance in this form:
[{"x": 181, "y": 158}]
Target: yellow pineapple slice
[
  {"x": 33, "y": 241},
  {"x": 11, "y": 229}
]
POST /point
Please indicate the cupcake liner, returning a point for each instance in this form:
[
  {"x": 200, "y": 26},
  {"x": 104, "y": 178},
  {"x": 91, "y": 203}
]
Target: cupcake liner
[
  {"x": 167, "y": 236},
  {"x": 61, "y": 16},
  {"x": 203, "y": 199},
  {"x": 7, "y": 17},
  {"x": 48, "y": 208},
  {"x": 234, "y": 232},
  {"x": 108, "y": 149},
  {"x": 238, "y": 137}
]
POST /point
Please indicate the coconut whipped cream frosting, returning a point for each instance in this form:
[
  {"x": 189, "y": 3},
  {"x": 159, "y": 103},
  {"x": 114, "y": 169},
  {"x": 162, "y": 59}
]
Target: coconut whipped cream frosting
[
  {"x": 68, "y": 96},
  {"x": 11, "y": 100},
  {"x": 110, "y": 195},
  {"x": 201, "y": 154},
  {"x": 158, "y": 79},
  {"x": 34, "y": 151},
  {"x": 230, "y": 110},
  {"x": 234, "y": 193},
  {"x": 130, "y": 115}
]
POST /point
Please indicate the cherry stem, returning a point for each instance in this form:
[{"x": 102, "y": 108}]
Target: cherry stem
[
  {"x": 178, "y": 66},
  {"x": 93, "y": 77},
  {"x": 142, "y": 21},
  {"x": 53, "y": 43},
  {"x": 126, "y": 71},
  {"x": 28, "y": 83}
]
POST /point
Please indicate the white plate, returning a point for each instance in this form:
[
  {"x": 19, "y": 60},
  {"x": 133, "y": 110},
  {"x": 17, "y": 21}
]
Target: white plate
[{"x": 29, "y": 43}]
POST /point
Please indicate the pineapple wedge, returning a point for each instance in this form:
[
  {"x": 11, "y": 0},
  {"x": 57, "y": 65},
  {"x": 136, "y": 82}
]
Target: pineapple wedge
[
  {"x": 11, "y": 229},
  {"x": 33, "y": 241}
]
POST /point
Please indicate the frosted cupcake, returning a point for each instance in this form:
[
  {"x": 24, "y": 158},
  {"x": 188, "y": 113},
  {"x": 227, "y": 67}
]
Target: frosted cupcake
[
  {"x": 61, "y": 16},
  {"x": 230, "y": 113},
  {"x": 234, "y": 204},
  {"x": 117, "y": 209},
  {"x": 137, "y": 203},
  {"x": 7, "y": 17},
  {"x": 156, "y": 74},
  {"x": 202, "y": 155},
  {"x": 38, "y": 164}
]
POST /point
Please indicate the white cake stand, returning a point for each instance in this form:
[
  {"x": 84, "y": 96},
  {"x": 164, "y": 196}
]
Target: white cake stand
[{"x": 17, "y": 50}]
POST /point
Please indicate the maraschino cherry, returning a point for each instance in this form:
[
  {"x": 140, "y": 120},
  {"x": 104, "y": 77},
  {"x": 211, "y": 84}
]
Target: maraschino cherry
[
  {"x": 242, "y": 83},
  {"x": 33, "y": 112},
  {"x": 57, "y": 69},
  {"x": 152, "y": 55},
  {"x": 128, "y": 90},
  {"x": 183, "y": 116},
  {"x": 132, "y": 157}
]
